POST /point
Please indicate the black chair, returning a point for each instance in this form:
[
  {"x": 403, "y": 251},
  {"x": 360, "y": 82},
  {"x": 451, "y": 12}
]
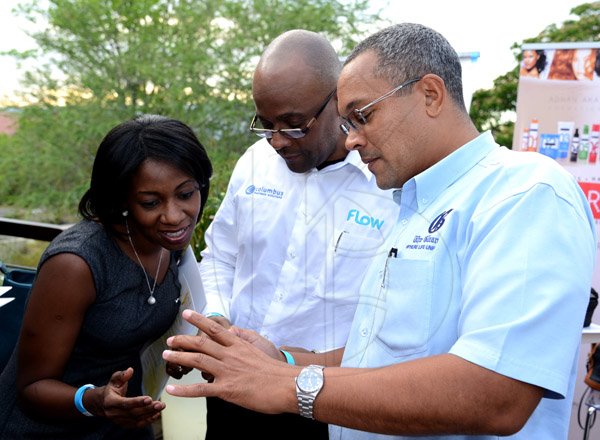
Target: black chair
[
  {"x": 11, "y": 314},
  {"x": 20, "y": 279}
]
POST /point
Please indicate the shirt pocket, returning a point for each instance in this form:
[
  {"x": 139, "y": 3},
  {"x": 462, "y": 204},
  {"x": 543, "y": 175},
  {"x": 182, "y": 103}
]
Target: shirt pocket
[
  {"x": 348, "y": 257},
  {"x": 405, "y": 328}
]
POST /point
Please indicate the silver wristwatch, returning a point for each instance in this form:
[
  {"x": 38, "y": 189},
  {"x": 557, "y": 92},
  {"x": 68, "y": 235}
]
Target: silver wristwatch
[{"x": 308, "y": 385}]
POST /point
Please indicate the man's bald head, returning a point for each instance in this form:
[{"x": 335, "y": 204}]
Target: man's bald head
[
  {"x": 301, "y": 51},
  {"x": 292, "y": 89}
]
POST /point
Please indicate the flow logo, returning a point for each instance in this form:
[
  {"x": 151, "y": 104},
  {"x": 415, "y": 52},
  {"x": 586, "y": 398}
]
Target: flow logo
[
  {"x": 262, "y": 191},
  {"x": 438, "y": 222},
  {"x": 364, "y": 220}
]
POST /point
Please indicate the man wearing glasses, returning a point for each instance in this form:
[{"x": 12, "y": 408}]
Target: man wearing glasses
[
  {"x": 301, "y": 219},
  {"x": 469, "y": 326}
]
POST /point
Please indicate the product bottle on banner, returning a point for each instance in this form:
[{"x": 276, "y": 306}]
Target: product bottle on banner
[
  {"x": 584, "y": 146},
  {"x": 549, "y": 145},
  {"x": 525, "y": 139},
  {"x": 565, "y": 129},
  {"x": 594, "y": 143},
  {"x": 532, "y": 145},
  {"x": 575, "y": 146}
]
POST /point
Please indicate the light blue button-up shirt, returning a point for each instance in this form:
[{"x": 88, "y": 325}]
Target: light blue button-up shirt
[{"x": 491, "y": 260}]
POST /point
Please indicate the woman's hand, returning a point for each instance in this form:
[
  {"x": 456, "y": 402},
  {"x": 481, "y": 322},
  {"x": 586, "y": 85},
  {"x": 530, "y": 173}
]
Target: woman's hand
[
  {"x": 111, "y": 402},
  {"x": 177, "y": 371}
]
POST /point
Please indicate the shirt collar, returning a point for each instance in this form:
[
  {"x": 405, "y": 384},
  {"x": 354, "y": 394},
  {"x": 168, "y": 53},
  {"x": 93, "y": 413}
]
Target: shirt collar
[
  {"x": 433, "y": 181},
  {"x": 352, "y": 159}
]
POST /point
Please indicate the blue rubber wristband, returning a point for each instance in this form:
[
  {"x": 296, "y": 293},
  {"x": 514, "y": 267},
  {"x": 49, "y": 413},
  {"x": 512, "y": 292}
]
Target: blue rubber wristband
[
  {"x": 208, "y": 315},
  {"x": 288, "y": 357},
  {"x": 79, "y": 399}
]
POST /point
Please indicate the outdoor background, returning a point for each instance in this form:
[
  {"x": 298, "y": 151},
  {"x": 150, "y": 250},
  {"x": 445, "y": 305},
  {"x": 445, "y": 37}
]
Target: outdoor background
[{"x": 72, "y": 69}]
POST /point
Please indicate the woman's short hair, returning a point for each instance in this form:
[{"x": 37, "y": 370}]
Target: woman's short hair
[{"x": 125, "y": 148}]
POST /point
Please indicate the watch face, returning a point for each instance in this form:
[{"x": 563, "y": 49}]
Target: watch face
[{"x": 310, "y": 380}]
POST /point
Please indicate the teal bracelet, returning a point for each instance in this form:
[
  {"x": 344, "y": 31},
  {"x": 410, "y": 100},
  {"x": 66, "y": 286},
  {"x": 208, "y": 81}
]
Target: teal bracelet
[
  {"x": 79, "y": 399},
  {"x": 288, "y": 357},
  {"x": 208, "y": 315}
]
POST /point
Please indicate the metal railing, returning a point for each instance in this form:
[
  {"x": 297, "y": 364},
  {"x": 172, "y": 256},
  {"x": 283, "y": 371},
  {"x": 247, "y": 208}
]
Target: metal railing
[{"x": 27, "y": 229}]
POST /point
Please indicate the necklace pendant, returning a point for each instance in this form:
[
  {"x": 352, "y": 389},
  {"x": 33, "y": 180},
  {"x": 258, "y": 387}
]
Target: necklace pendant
[{"x": 151, "y": 300}]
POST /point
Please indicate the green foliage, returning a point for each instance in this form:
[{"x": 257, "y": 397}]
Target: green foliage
[
  {"x": 24, "y": 252},
  {"x": 103, "y": 61},
  {"x": 490, "y": 107},
  {"x": 585, "y": 28}
]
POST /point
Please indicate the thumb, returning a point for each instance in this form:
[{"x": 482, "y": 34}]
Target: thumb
[{"x": 119, "y": 380}]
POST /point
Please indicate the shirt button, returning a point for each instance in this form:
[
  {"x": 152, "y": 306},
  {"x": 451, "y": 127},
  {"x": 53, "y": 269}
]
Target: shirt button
[
  {"x": 265, "y": 335},
  {"x": 292, "y": 253},
  {"x": 404, "y": 221},
  {"x": 279, "y": 296},
  {"x": 364, "y": 331},
  {"x": 424, "y": 201}
]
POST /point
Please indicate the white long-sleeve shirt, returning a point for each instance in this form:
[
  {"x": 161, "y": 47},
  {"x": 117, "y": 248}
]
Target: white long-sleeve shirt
[{"x": 286, "y": 252}]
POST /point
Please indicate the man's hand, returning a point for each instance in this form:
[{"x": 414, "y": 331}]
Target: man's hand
[
  {"x": 224, "y": 322},
  {"x": 259, "y": 342},
  {"x": 243, "y": 374}
]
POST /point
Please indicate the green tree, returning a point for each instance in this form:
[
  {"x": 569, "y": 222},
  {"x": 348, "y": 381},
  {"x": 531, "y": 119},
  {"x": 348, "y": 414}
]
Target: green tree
[
  {"x": 489, "y": 107},
  {"x": 103, "y": 61}
]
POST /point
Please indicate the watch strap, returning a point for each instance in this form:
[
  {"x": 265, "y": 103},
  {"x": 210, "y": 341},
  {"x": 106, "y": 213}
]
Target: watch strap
[
  {"x": 306, "y": 400},
  {"x": 305, "y": 405}
]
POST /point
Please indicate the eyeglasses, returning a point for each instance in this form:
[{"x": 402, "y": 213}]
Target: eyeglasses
[
  {"x": 292, "y": 133},
  {"x": 358, "y": 114}
]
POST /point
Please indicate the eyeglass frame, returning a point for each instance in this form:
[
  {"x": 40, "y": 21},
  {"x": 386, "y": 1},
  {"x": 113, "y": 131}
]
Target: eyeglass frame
[
  {"x": 291, "y": 133},
  {"x": 348, "y": 124}
]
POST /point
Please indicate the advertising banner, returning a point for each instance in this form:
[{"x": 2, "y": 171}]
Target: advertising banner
[{"x": 558, "y": 113}]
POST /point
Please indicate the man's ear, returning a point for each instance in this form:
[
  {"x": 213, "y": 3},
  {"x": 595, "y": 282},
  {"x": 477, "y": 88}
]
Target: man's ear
[{"x": 435, "y": 94}]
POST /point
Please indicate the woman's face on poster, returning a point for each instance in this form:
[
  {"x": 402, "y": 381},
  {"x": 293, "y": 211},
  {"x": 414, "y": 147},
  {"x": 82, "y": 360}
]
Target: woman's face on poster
[{"x": 530, "y": 58}]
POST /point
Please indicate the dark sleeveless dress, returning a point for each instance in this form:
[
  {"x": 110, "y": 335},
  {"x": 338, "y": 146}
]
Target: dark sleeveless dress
[{"x": 115, "y": 328}]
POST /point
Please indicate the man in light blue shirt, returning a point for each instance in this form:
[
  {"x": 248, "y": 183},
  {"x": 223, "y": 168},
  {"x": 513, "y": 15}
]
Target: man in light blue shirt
[
  {"x": 469, "y": 327},
  {"x": 451, "y": 285}
]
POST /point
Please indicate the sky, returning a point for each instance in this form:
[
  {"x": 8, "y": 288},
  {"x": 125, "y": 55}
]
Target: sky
[{"x": 484, "y": 26}]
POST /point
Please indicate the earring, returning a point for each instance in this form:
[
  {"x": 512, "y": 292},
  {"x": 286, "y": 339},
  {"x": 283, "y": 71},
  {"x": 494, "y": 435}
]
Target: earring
[{"x": 125, "y": 213}]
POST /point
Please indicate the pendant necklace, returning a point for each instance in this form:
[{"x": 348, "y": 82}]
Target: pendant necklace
[{"x": 151, "y": 300}]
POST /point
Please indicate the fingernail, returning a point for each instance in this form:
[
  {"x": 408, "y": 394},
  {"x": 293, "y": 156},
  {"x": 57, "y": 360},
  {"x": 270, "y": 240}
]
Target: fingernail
[
  {"x": 166, "y": 354},
  {"x": 170, "y": 389},
  {"x": 170, "y": 340},
  {"x": 186, "y": 313}
]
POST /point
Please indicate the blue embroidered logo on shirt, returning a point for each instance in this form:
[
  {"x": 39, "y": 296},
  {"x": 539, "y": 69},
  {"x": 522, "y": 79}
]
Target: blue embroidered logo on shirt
[
  {"x": 438, "y": 222},
  {"x": 262, "y": 191},
  {"x": 364, "y": 220}
]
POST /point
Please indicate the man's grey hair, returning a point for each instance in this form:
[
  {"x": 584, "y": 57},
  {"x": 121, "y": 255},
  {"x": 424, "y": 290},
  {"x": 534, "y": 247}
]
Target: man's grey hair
[{"x": 406, "y": 51}]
